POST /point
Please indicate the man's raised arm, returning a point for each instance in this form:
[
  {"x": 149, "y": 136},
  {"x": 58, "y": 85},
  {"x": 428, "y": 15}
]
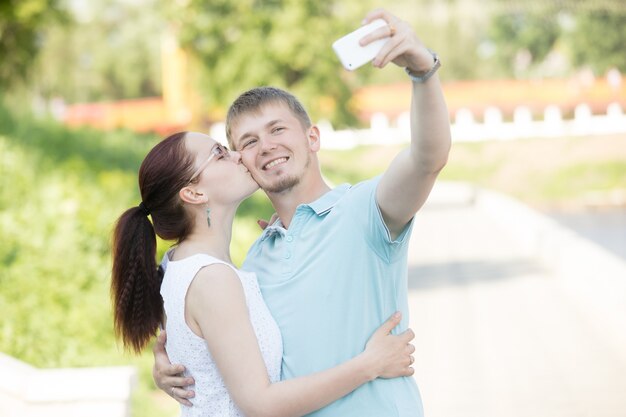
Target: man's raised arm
[{"x": 409, "y": 179}]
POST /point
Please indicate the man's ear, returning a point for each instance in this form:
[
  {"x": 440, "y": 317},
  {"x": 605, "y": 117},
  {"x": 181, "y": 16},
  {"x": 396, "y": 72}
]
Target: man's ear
[
  {"x": 314, "y": 138},
  {"x": 191, "y": 196}
]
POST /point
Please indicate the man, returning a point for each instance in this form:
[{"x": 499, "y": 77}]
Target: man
[{"x": 334, "y": 266}]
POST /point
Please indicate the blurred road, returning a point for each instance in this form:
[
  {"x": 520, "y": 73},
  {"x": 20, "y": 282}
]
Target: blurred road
[
  {"x": 606, "y": 226},
  {"x": 497, "y": 336}
]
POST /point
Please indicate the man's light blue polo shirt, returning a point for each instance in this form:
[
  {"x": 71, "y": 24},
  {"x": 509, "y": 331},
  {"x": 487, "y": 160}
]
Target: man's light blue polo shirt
[{"x": 330, "y": 280}]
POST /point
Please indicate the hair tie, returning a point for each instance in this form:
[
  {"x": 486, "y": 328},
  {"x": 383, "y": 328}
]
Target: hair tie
[{"x": 144, "y": 209}]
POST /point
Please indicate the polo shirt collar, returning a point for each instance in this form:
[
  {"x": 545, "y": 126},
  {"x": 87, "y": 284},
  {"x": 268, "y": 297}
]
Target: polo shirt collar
[
  {"x": 328, "y": 200},
  {"x": 319, "y": 206},
  {"x": 274, "y": 229}
]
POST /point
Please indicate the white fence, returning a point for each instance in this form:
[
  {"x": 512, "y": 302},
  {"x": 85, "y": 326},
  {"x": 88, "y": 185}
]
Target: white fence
[
  {"x": 491, "y": 126},
  {"x": 468, "y": 127},
  {"x": 26, "y": 391}
]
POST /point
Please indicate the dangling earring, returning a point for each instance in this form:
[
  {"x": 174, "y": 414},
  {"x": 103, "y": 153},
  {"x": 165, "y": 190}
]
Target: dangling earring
[{"x": 208, "y": 216}]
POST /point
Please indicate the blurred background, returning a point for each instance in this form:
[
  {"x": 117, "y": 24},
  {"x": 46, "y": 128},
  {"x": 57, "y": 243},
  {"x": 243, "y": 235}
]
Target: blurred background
[{"x": 527, "y": 226}]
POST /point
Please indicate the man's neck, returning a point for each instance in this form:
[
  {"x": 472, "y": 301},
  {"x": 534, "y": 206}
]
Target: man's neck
[{"x": 285, "y": 203}]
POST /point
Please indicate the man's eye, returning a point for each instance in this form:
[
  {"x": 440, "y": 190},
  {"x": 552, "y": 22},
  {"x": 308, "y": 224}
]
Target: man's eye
[
  {"x": 278, "y": 129},
  {"x": 248, "y": 143}
]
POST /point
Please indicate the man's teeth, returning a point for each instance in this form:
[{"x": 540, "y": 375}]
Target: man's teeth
[{"x": 275, "y": 162}]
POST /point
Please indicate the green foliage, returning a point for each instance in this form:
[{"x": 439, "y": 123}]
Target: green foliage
[
  {"x": 60, "y": 193},
  {"x": 286, "y": 43},
  {"x": 21, "y": 25},
  {"x": 110, "y": 51},
  {"x": 56, "y": 210},
  {"x": 86, "y": 151},
  {"x": 598, "y": 40},
  {"x": 590, "y": 33},
  {"x": 531, "y": 32}
]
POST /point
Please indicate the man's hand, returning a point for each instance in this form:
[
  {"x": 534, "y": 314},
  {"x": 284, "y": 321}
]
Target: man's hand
[
  {"x": 403, "y": 48},
  {"x": 170, "y": 377},
  {"x": 264, "y": 223}
]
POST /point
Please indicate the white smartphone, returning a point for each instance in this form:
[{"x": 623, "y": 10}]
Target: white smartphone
[{"x": 351, "y": 54}]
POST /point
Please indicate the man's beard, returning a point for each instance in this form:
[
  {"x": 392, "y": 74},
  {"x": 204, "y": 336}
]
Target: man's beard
[{"x": 282, "y": 185}]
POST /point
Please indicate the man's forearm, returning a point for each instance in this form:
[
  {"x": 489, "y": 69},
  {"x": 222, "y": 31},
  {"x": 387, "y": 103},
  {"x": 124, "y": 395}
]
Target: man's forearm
[{"x": 430, "y": 127}]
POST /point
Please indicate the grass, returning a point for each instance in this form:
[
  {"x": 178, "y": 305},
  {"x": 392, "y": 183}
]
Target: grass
[
  {"x": 61, "y": 191},
  {"x": 545, "y": 173},
  {"x": 583, "y": 179}
]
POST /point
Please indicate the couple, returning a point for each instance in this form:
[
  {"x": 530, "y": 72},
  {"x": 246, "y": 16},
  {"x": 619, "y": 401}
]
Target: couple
[{"x": 331, "y": 269}]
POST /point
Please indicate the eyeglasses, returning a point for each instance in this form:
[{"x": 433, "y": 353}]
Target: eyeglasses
[{"x": 218, "y": 150}]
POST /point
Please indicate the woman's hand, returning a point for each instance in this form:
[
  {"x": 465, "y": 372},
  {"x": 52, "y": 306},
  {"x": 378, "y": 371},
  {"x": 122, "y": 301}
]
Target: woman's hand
[
  {"x": 170, "y": 377},
  {"x": 390, "y": 355}
]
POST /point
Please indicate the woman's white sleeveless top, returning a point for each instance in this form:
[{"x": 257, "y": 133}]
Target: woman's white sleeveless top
[{"x": 185, "y": 347}]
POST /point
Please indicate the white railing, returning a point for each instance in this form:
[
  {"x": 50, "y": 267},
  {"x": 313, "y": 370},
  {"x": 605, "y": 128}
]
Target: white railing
[
  {"x": 26, "y": 391},
  {"x": 466, "y": 127}
]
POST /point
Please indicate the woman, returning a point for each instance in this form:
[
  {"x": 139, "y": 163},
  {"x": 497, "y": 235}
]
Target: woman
[{"x": 216, "y": 321}]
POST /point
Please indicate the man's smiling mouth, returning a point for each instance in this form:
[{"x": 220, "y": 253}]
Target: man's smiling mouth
[{"x": 275, "y": 162}]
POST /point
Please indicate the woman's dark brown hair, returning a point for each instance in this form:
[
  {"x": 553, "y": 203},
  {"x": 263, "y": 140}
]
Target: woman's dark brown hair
[{"x": 136, "y": 279}]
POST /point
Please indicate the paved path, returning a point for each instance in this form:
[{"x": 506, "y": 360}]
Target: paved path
[{"x": 496, "y": 335}]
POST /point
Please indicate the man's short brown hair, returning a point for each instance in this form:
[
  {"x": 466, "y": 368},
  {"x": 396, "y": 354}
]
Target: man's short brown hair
[{"x": 253, "y": 100}]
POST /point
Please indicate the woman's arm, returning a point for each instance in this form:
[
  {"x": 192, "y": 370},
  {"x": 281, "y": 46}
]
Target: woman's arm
[{"x": 216, "y": 309}]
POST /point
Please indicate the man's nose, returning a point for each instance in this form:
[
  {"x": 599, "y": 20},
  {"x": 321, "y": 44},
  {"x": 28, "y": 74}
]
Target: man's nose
[{"x": 266, "y": 143}]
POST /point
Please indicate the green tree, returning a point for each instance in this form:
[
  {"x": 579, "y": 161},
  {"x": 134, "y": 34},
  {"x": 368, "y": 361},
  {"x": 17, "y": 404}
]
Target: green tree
[
  {"x": 287, "y": 43},
  {"x": 21, "y": 27},
  {"x": 522, "y": 37},
  {"x": 523, "y": 34},
  {"x": 110, "y": 51},
  {"x": 598, "y": 39}
]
